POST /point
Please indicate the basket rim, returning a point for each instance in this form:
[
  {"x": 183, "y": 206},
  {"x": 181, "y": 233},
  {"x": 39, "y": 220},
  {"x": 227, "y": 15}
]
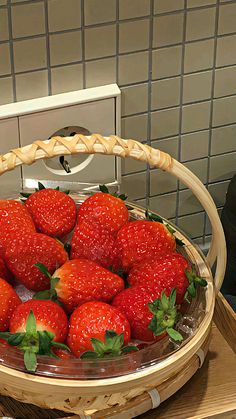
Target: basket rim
[{"x": 82, "y": 385}]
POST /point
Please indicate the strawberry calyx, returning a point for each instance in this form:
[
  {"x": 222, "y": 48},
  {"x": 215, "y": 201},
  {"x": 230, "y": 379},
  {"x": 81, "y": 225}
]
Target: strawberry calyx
[
  {"x": 154, "y": 217},
  {"x": 39, "y": 188},
  {"x": 165, "y": 316},
  {"x": 111, "y": 347},
  {"x": 104, "y": 189},
  {"x": 194, "y": 281},
  {"x": 50, "y": 294},
  {"x": 33, "y": 343}
]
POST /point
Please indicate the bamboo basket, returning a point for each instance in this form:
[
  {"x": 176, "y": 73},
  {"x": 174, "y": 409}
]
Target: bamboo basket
[{"x": 133, "y": 394}]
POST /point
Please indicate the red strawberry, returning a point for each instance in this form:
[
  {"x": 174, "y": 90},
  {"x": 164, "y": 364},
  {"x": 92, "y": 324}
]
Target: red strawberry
[
  {"x": 4, "y": 343},
  {"x": 4, "y": 271},
  {"x": 81, "y": 280},
  {"x": 94, "y": 242},
  {"x": 142, "y": 239},
  {"x": 9, "y": 300},
  {"x": 35, "y": 328},
  {"x": 94, "y": 326},
  {"x": 108, "y": 210},
  {"x": 167, "y": 271},
  {"x": 150, "y": 312},
  {"x": 14, "y": 220},
  {"x": 63, "y": 354},
  {"x": 49, "y": 316},
  {"x": 53, "y": 212},
  {"x": 24, "y": 252}
]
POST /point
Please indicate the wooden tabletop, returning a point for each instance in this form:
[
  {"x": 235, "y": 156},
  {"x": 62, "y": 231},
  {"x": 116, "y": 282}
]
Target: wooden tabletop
[{"x": 211, "y": 393}]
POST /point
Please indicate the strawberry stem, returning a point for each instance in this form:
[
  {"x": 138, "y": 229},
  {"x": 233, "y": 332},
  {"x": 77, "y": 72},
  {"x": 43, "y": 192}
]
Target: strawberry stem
[
  {"x": 32, "y": 342},
  {"x": 165, "y": 316},
  {"x": 112, "y": 346}
]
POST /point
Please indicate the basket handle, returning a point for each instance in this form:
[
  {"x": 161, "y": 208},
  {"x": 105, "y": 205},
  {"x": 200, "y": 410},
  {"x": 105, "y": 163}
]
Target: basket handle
[{"x": 113, "y": 145}]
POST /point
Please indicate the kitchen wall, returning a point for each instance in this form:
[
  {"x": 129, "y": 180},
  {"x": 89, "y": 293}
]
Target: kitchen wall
[{"x": 175, "y": 62}]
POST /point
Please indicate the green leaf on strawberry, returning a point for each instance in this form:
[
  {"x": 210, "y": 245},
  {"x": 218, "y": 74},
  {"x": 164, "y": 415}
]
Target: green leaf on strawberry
[
  {"x": 165, "y": 316},
  {"x": 30, "y": 360},
  {"x": 112, "y": 346},
  {"x": 194, "y": 281},
  {"x": 154, "y": 217},
  {"x": 104, "y": 189},
  {"x": 40, "y": 188},
  {"x": 50, "y": 294},
  {"x": 33, "y": 343},
  {"x": 176, "y": 336}
]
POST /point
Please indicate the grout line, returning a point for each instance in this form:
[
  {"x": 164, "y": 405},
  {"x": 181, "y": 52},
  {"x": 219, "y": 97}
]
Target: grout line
[
  {"x": 48, "y": 48},
  {"x": 23, "y": 2},
  {"x": 149, "y": 115},
  {"x": 11, "y": 53},
  {"x": 117, "y": 82},
  {"x": 100, "y": 25},
  {"x": 171, "y": 12},
  {"x": 181, "y": 104},
  {"x": 117, "y": 41},
  {"x": 83, "y": 43},
  {"x": 212, "y": 106},
  {"x": 134, "y": 83},
  {"x": 128, "y": 84}
]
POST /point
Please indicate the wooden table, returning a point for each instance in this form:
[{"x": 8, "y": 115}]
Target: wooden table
[{"x": 211, "y": 393}]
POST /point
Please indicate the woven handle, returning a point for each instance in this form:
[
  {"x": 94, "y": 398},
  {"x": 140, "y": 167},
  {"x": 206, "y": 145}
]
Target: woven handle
[{"x": 116, "y": 146}]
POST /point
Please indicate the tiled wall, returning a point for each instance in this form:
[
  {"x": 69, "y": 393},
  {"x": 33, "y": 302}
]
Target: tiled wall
[{"x": 175, "y": 61}]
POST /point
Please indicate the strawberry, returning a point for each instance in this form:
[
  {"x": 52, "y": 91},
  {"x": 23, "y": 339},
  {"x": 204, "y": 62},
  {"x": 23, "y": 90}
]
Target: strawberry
[
  {"x": 150, "y": 312},
  {"x": 98, "y": 328},
  {"x": 94, "y": 242},
  {"x": 108, "y": 210},
  {"x": 167, "y": 271},
  {"x": 79, "y": 281},
  {"x": 4, "y": 271},
  {"x": 53, "y": 212},
  {"x": 22, "y": 254},
  {"x": 14, "y": 220},
  {"x": 9, "y": 300},
  {"x": 170, "y": 270},
  {"x": 4, "y": 343},
  {"x": 64, "y": 354},
  {"x": 142, "y": 239},
  {"x": 35, "y": 328}
]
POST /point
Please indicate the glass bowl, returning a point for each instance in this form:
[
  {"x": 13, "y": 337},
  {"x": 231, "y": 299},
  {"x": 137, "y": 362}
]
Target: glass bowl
[{"x": 149, "y": 354}]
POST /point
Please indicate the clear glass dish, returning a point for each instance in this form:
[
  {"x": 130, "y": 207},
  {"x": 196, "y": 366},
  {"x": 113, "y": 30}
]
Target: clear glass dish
[{"x": 192, "y": 316}]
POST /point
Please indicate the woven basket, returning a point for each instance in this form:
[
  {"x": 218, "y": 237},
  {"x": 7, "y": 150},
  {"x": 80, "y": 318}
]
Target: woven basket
[{"x": 133, "y": 394}]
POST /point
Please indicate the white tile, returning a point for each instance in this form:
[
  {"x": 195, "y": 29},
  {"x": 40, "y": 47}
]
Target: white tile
[
  {"x": 134, "y": 185},
  {"x": 224, "y": 111},
  {"x": 162, "y": 182},
  {"x": 222, "y": 167},
  {"x": 165, "y": 205},
  {"x": 100, "y": 72},
  {"x": 165, "y": 123}
]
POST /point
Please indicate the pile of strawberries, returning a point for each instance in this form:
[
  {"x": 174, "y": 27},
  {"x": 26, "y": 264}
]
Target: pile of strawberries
[{"x": 119, "y": 283}]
